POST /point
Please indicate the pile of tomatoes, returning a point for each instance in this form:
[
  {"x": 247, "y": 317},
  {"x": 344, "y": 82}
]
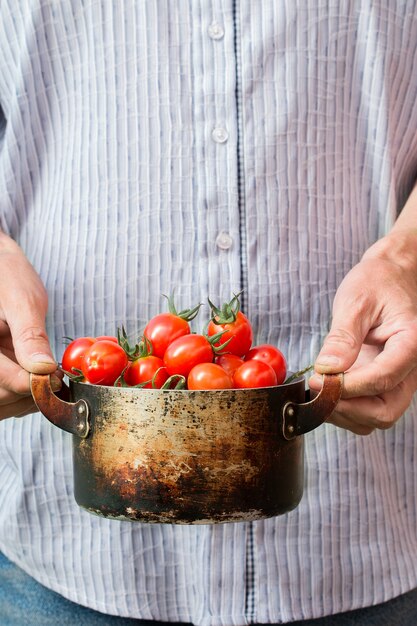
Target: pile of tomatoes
[{"x": 170, "y": 355}]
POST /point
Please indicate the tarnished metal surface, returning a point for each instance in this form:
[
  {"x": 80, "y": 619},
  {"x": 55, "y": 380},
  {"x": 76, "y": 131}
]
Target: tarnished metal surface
[{"x": 188, "y": 457}]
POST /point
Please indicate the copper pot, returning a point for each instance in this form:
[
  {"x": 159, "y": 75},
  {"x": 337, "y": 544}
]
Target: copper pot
[{"x": 188, "y": 457}]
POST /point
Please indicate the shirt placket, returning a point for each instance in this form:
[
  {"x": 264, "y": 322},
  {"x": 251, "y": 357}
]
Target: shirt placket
[
  {"x": 220, "y": 245},
  {"x": 217, "y": 149}
]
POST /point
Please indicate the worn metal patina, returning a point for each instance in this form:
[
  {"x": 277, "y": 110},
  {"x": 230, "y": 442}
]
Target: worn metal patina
[{"x": 188, "y": 456}]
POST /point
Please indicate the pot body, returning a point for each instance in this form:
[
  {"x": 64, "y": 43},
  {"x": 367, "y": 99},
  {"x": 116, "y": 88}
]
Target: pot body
[{"x": 187, "y": 456}]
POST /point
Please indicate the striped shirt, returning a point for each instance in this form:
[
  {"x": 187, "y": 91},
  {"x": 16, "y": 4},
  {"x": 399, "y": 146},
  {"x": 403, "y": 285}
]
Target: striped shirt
[{"x": 209, "y": 146}]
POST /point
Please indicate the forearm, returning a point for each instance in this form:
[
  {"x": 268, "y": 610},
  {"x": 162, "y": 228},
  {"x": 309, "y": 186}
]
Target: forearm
[
  {"x": 400, "y": 244},
  {"x": 373, "y": 336}
]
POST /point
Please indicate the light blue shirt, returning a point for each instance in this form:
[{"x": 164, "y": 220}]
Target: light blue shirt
[{"x": 209, "y": 146}]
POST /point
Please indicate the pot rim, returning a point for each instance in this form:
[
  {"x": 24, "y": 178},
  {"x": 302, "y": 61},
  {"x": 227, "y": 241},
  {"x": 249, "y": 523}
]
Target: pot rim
[{"x": 129, "y": 389}]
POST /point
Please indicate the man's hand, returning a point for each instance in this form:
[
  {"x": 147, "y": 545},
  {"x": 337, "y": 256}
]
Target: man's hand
[
  {"x": 373, "y": 336},
  {"x": 24, "y": 345}
]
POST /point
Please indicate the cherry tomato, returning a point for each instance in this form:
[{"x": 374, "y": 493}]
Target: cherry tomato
[
  {"x": 163, "y": 329},
  {"x": 148, "y": 369},
  {"x": 185, "y": 352},
  {"x": 254, "y": 374},
  {"x": 229, "y": 362},
  {"x": 208, "y": 376},
  {"x": 239, "y": 332},
  {"x": 73, "y": 356},
  {"x": 271, "y": 355},
  {"x": 103, "y": 362},
  {"x": 107, "y": 338}
]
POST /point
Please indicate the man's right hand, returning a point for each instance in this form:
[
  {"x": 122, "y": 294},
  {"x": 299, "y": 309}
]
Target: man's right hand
[{"x": 24, "y": 345}]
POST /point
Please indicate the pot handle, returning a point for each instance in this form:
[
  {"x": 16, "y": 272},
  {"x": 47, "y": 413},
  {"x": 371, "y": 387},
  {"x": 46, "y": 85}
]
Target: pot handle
[
  {"x": 73, "y": 417},
  {"x": 298, "y": 419}
]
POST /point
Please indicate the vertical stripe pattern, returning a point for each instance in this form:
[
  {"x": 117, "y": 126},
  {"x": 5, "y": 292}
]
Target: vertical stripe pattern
[{"x": 133, "y": 137}]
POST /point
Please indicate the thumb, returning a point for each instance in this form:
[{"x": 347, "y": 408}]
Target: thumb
[
  {"x": 32, "y": 348},
  {"x": 23, "y": 306},
  {"x": 341, "y": 347},
  {"x": 26, "y": 324},
  {"x": 31, "y": 345},
  {"x": 354, "y": 311}
]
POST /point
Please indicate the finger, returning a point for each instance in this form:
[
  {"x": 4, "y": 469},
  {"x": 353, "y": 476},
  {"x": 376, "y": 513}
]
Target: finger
[
  {"x": 388, "y": 369},
  {"x": 347, "y": 333},
  {"x": 33, "y": 409},
  {"x": 4, "y": 329},
  {"x": 12, "y": 377},
  {"x": 31, "y": 345},
  {"x": 5, "y": 337},
  {"x": 340, "y": 420},
  {"x": 15, "y": 381},
  {"x": 8, "y": 397},
  {"x": 24, "y": 406},
  {"x": 24, "y": 306},
  {"x": 9, "y": 353},
  {"x": 380, "y": 412}
]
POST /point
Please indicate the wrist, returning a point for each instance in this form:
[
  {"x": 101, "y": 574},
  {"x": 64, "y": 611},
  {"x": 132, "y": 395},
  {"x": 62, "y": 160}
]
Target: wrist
[{"x": 399, "y": 246}]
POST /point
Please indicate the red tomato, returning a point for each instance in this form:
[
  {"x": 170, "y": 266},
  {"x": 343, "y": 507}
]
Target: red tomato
[
  {"x": 208, "y": 376},
  {"x": 73, "y": 356},
  {"x": 103, "y": 362},
  {"x": 107, "y": 338},
  {"x": 229, "y": 362},
  {"x": 164, "y": 328},
  {"x": 148, "y": 369},
  {"x": 239, "y": 332},
  {"x": 186, "y": 352},
  {"x": 254, "y": 374},
  {"x": 271, "y": 355}
]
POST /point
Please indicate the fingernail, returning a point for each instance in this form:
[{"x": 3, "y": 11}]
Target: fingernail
[
  {"x": 328, "y": 360},
  {"x": 41, "y": 357}
]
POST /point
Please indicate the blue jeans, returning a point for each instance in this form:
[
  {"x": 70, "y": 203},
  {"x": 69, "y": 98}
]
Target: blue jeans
[{"x": 24, "y": 602}]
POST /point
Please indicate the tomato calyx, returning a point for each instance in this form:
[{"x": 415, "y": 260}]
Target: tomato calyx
[
  {"x": 227, "y": 314},
  {"x": 121, "y": 381},
  {"x": 185, "y": 314},
  {"x": 176, "y": 381},
  {"x": 214, "y": 339},
  {"x": 76, "y": 375},
  {"x": 143, "y": 348},
  {"x": 296, "y": 375},
  {"x": 67, "y": 340}
]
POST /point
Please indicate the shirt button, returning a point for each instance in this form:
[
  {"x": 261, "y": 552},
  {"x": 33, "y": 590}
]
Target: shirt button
[
  {"x": 220, "y": 135},
  {"x": 215, "y": 31},
  {"x": 224, "y": 241}
]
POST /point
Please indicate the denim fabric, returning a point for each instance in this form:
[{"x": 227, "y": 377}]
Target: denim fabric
[
  {"x": 24, "y": 602},
  {"x": 401, "y": 611}
]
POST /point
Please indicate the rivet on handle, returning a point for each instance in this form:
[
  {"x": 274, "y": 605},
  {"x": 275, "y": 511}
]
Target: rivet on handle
[{"x": 73, "y": 417}]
